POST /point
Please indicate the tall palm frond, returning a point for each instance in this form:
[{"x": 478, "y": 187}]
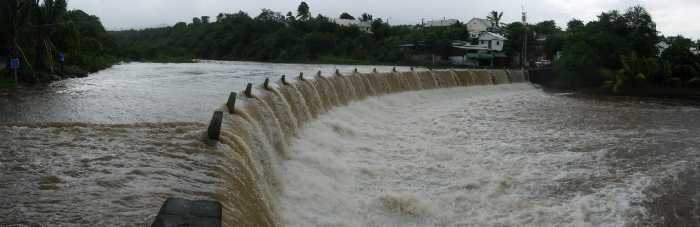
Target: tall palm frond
[
  {"x": 15, "y": 15},
  {"x": 495, "y": 18}
]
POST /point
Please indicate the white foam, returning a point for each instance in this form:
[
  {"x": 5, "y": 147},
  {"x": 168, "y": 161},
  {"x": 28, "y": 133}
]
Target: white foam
[{"x": 449, "y": 157}]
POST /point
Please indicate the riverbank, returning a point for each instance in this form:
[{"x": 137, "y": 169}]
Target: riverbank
[
  {"x": 688, "y": 94},
  {"x": 32, "y": 78},
  {"x": 548, "y": 79}
]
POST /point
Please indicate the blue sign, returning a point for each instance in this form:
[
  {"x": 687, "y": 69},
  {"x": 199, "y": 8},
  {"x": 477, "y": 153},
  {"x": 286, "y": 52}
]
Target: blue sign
[
  {"x": 61, "y": 57},
  {"x": 14, "y": 63}
]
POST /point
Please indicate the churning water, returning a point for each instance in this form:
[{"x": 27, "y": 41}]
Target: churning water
[{"x": 440, "y": 148}]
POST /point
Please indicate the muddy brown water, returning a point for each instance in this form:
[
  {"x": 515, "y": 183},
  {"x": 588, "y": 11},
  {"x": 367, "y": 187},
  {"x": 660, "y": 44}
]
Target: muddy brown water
[{"x": 505, "y": 155}]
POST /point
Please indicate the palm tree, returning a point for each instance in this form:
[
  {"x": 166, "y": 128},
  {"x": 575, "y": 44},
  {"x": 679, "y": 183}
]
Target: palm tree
[
  {"x": 366, "y": 17},
  {"x": 303, "y": 12},
  {"x": 47, "y": 19},
  {"x": 14, "y": 18},
  {"x": 495, "y": 18}
]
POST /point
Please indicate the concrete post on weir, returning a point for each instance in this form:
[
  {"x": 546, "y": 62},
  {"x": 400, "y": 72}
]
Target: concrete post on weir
[
  {"x": 231, "y": 103},
  {"x": 301, "y": 77},
  {"x": 266, "y": 84},
  {"x": 182, "y": 212},
  {"x": 214, "y": 130},
  {"x": 248, "y": 90},
  {"x": 284, "y": 80}
]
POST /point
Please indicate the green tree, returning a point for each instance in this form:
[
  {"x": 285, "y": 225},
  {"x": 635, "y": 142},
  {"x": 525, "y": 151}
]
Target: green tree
[
  {"x": 546, "y": 28},
  {"x": 303, "y": 12},
  {"x": 575, "y": 26},
  {"x": 495, "y": 18},
  {"x": 346, "y": 16},
  {"x": 39, "y": 30},
  {"x": 618, "y": 49},
  {"x": 290, "y": 17},
  {"x": 366, "y": 17},
  {"x": 515, "y": 34}
]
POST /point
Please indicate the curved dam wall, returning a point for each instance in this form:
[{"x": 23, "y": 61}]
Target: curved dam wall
[{"x": 258, "y": 123}]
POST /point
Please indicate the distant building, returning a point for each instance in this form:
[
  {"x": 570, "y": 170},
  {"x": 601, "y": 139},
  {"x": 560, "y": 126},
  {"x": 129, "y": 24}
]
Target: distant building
[
  {"x": 492, "y": 41},
  {"x": 662, "y": 46},
  {"x": 362, "y": 25},
  {"x": 695, "y": 50},
  {"x": 476, "y": 26},
  {"x": 441, "y": 23},
  {"x": 488, "y": 49}
]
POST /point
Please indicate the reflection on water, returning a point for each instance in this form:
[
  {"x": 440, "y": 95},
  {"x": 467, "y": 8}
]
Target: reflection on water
[{"x": 149, "y": 92}]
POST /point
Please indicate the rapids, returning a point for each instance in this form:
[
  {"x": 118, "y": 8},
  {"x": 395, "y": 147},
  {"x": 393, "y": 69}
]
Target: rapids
[{"x": 407, "y": 148}]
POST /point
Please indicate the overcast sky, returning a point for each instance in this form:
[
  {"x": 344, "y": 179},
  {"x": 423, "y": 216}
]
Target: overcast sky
[{"x": 673, "y": 17}]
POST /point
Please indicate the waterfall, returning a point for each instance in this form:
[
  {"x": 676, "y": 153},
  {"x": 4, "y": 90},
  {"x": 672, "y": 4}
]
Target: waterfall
[
  {"x": 427, "y": 80},
  {"x": 341, "y": 89},
  {"x": 412, "y": 81},
  {"x": 282, "y": 111},
  {"x": 257, "y": 130},
  {"x": 297, "y": 103},
  {"x": 311, "y": 96},
  {"x": 500, "y": 77}
]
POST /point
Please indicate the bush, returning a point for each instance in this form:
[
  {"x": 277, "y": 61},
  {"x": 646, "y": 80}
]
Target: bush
[
  {"x": 73, "y": 71},
  {"x": 684, "y": 72}
]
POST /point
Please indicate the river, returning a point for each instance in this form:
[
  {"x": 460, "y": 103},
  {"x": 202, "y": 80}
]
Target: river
[
  {"x": 148, "y": 92},
  {"x": 108, "y": 149}
]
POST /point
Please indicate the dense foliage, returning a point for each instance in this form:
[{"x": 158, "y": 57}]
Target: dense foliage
[
  {"x": 619, "y": 50},
  {"x": 38, "y": 32},
  {"x": 272, "y": 36}
]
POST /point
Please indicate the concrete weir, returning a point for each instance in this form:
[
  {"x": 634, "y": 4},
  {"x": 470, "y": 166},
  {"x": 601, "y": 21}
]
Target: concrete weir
[
  {"x": 258, "y": 124},
  {"x": 182, "y": 212}
]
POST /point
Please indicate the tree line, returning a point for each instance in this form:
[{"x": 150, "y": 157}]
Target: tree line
[
  {"x": 619, "y": 50},
  {"x": 275, "y": 37},
  {"x": 50, "y": 41}
]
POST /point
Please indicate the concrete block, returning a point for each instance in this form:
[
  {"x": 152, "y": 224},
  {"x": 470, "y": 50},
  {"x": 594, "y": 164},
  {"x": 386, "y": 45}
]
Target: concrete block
[
  {"x": 284, "y": 80},
  {"x": 214, "y": 130},
  {"x": 231, "y": 103},
  {"x": 181, "y": 212},
  {"x": 266, "y": 84},
  {"x": 249, "y": 90}
]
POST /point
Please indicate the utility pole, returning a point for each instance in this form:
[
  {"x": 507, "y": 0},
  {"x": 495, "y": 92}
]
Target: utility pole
[{"x": 524, "y": 63}]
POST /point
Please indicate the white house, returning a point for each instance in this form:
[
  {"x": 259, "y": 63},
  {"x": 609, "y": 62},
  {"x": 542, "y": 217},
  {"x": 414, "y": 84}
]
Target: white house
[
  {"x": 695, "y": 50},
  {"x": 441, "y": 23},
  {"x": 363, "y": 26},
  {"x": 662, "y": 46},
  {"x": 492, "y": 41},
  {"x": 489, "y": 47},
  {"x": 476, "y": 26}
]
